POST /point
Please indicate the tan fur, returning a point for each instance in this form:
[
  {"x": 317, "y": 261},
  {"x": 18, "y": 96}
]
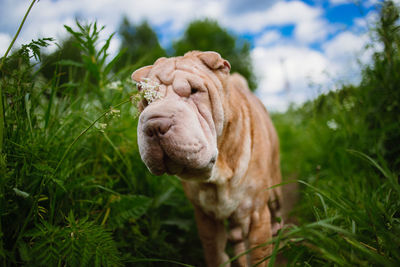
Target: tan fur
[{"x": 236, "y": 186}]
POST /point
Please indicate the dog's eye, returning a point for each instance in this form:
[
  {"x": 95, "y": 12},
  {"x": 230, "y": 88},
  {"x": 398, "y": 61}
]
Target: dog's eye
[
  {"x": 143, "y": 103},
  {"x": 193, "y": 91}
]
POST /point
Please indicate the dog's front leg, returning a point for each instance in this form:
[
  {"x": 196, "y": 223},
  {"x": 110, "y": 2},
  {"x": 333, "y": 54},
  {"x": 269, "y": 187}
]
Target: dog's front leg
[
  {"x": 260, "y": 232},
  {"x": 213, "y": 237}
]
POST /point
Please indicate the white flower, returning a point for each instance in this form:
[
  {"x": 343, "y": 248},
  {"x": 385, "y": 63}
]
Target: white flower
[
  {"x": 348, "y": 104},
  {"x": 332, "y": 124},
  {"x": 117, "y": 85},
  {"x": 101, "y": 126},
  {"x": 113, "y": 113},
  {"x": 150, "y": 90}
]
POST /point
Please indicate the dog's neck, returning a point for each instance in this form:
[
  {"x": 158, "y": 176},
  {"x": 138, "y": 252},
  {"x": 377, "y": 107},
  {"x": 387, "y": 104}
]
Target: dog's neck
[
  {"x": 234, "y": 155},
  {"x": 221, "y": 194}
]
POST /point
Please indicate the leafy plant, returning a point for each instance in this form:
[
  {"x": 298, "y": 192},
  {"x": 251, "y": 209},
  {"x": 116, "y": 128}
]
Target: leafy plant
[
  {"x": 79, "y": 243},
  {"x": 140, "y": 46},
  {"x": 69, "y": 150},
  {"x": 94, "y": 60},
  {"x": 349, "y": 211}
]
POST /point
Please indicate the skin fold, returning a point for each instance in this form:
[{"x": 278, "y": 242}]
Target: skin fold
[{"x": 217, "y": 137}]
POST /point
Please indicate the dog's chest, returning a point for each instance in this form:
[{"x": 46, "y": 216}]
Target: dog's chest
[{"x": 215, "y": 200}]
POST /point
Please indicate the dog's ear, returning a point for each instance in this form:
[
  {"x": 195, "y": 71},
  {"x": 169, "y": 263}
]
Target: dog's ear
[
  {"x": 214, "y": 61},
  {"x": 141, "y": 73}
]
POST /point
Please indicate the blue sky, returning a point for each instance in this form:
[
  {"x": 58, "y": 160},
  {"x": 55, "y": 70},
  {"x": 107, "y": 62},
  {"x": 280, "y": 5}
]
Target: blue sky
[{"x": 299, "y": 48}]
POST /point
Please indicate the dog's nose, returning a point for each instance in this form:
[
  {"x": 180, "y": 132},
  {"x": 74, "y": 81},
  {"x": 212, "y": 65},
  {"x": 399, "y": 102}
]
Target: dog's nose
[{"x": 158, "y": 126}]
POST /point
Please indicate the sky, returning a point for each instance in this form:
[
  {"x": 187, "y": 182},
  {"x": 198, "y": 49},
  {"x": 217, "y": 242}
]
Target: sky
[{"x": 300, "y": 49}]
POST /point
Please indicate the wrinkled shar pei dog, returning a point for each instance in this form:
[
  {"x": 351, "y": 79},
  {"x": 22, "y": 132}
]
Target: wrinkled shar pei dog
[{"x": 216, "y": 136}]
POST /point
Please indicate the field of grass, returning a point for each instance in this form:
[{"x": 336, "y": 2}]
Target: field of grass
[{"x": 74, "y": 191}]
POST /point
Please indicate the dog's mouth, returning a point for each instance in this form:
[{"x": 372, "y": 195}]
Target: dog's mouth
[
  {"x": 171, "y": 145},
  {"x": 171, "y": 166},
  {"x": 183, "y": 168},
  {"x": 189, "y": 173}
]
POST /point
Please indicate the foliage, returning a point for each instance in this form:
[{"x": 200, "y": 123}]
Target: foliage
[
  {"x": 140, "y": 45},
  {"x": 342, "y": 148},
  {"x": 380, "y": 90},
  {"x": 97, "y": 69},
  {"x": 78, "y": 195},
  {"x": 207, "y": 35},
  {"x": 80, "y": 242},
  {"x": 56, "y": 63}
]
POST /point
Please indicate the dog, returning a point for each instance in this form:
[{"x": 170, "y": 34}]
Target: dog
[{"x": 207, "y": 128}]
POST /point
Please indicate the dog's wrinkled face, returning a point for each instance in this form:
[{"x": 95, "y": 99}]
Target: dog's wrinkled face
[{"x": 178, "y": 133}]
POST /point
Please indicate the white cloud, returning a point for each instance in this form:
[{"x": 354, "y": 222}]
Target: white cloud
[
  {"x": 277, "y": 58},
  {"x": 312, "y": 30},
  {"x": 272, "y": 102},
  {"x": 366, "y": 22},
  {"x": 340, "y": 2},
  {"x": 5, "y": 41},
  {"x": 268, "y": 38},
  {"x": 369, "y": 3},
  {"x": 282, "y": 13},
  {"x": 308, "y": 21},
  {"x": 293, "y": 12},
  {"x": 293, "y": 63},
  {"x": 240, "y": 6},
  {"x": 344, "y": 51},
  {"x": 345, "y": 45},
  {"x": 286, "y": 71},
  {"x": 48, "y": 17}
]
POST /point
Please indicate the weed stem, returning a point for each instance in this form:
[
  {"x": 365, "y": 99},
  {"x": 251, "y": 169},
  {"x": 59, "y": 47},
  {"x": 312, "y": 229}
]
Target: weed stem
[
  {"x": 17, "y": 33},
  {"x": 1, "y": 66},
  {"x": 83, "y": 132}
]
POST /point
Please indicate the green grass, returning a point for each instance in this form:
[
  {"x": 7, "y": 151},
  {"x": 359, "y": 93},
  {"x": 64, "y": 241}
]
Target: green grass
[
  {"x": 73, "y": 187},
  {"x": 74, "y": 191},
  {"x": 343, "y": 147}
]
